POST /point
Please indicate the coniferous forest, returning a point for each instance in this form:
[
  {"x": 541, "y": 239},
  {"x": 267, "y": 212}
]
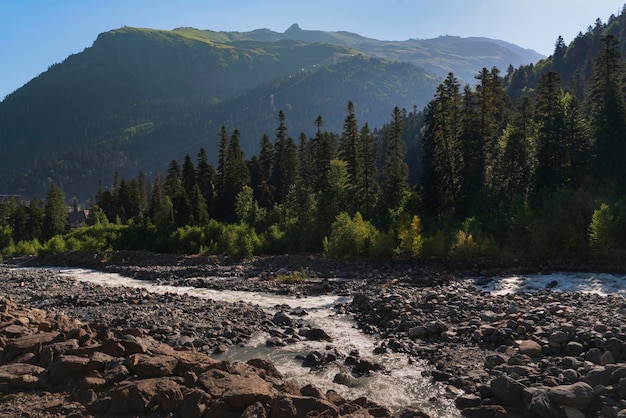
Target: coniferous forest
[{"x": 528, "y": 163}]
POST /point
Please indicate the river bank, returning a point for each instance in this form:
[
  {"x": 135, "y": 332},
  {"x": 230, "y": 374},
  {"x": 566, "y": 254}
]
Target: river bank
[{"x": 545, "y": 353}]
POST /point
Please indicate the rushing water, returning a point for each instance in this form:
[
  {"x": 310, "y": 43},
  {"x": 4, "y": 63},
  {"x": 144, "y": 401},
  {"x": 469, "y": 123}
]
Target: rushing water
[
  {"x": 399, "y": 386},
  {"x": 599, "y": 283}
]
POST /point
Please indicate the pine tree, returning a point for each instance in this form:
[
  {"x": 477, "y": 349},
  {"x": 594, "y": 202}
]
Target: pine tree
[
  {"x": 441, "y": 180},
  {"x": 608, "y": 112},
  {"x": 396, "y": 170},
  {"x": 55, "y": 213},
  {"x": 549, "y": 173},
  {"x": 349, "y": 145},
  {"x": 368, "y": 190},
  {"x": 236, "y": 176},
  {"x": 206, "y": 177}
]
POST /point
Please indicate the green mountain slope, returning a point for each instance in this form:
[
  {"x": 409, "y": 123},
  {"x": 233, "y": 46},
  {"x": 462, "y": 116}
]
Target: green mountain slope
[
  {"x": 465, "y": 57},
  {"x": 140, "y": 97}
]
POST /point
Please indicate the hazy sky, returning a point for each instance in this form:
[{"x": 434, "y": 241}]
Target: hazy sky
[{"x": 35, "y": 34}]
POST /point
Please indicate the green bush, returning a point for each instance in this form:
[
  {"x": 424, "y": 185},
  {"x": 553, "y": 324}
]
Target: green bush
[
  {"x": 349, "y": 237},
  {"x": 435, "y": 245},
  {"x": 55, "y": 245}
]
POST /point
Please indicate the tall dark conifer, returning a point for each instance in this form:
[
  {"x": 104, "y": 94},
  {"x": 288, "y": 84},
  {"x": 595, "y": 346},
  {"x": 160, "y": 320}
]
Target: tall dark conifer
[
  {"x": 608, "y": 112},
  {"x": 396, "y": 170}
]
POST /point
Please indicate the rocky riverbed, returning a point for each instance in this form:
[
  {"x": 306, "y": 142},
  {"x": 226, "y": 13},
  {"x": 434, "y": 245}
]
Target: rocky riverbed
[{"x": 545, "y": 354}]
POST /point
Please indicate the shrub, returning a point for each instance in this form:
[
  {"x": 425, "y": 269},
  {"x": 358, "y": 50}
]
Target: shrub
[
  {"x": 55, "y": 245},
  {"x": 349, "y": 237},
  {"x": 435, "y": 245},
  {"x": 410, "y": 235},
  {"x": 602, "y": 230}
]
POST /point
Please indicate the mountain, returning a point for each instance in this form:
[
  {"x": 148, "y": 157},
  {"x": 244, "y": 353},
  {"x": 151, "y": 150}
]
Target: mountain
[
  {"x": 573, "y": 62},
  {"x": 465, "y": 57},
  {"x": 138, "y": 98}
]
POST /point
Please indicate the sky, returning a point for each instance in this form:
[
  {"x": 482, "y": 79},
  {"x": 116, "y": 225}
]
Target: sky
[{"x": 35, "y": 34}]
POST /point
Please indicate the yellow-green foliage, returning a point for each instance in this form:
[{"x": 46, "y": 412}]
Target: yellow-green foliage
[
  {"x": 470, "y": 242},
  {"x": 602, "y": 229},
  {"x": 55, "y": 245},
  {"x": 410, "y": 236},
  {"x": 349, "y": 237}
]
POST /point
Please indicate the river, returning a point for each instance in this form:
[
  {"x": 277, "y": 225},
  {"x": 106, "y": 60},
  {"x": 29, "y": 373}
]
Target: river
[{"x": 401, "y": 384}]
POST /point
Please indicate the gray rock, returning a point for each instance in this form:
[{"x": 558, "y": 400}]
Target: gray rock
[
  {"x": 578, "y": 395},
  {"x": 530, "y": 348},
  {"x": 507, "y": 389}
]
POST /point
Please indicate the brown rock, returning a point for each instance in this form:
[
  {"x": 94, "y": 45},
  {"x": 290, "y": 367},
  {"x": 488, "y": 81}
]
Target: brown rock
[
  {"x": 237, "y": 391},
  {"x": 193, "y": 361},
  {"x": 530, "y": 348},
  {"x": 267, "y": 366},
  {"x": 29, "y": 344},
  {"x": 256, "y": 410},
  {"x": 195, "y": 403},
  {"x": 146, "y": 395},
  {"x": 95, "y": 383},
  {"x": 67, "y": 367},
  {"x": 151, "y": 366}
]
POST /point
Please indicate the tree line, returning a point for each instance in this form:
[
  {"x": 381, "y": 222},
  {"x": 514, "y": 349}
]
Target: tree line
[{"x": 475, "y": 173}]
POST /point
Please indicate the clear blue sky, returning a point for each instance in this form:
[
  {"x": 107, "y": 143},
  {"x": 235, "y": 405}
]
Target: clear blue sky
[{"x": 35, "y": 34}]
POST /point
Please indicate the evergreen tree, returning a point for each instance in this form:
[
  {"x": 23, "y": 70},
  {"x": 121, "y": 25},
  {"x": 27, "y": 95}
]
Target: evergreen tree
[
  {"x": 176, "y": 192},
  {"x": 441, "y": 180},
  {"x": 285, "y": 168},
  {"x": 349, "y": 145},
  {"x": 206, "y": 177},
  {"x": 608, "y": 112},
  {"x": 55, "y": 213},
  {"x": 396, "y": 170},
  {"x": 236, "y": 176},
  {"x": 368, "y": 190},
  {"x": 189, "y": 175},
  {"x": 549, "y": 173}
]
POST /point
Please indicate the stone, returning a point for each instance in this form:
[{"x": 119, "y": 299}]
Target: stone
[
  {"x": 317, "y": 334},
  {"x": 281, "y": 318},
  {"x": 485, "y": 411},
  {"x": 66, "y": 368},
  {"x": 146, "y": 366},
  {"x": 418, "y": 332},
  {"x": 574, "y": 348},
  {"x": 559, "y": 337},
  {"x": 237, "y": 391},
  {"x": 507, "y": 389},
  {"x": 607, "y": 358},
  {"x": 577, "y": 395},
  {"x": 267, "y": 366},
  {"x": 530, "y": 348}
]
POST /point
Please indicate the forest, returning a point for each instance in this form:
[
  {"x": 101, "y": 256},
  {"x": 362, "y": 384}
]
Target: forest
[{"x": 501, "y": 168}]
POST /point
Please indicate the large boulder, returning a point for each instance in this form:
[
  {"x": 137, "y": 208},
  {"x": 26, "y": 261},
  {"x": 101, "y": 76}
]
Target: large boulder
[{"x": 578, "y": 395}]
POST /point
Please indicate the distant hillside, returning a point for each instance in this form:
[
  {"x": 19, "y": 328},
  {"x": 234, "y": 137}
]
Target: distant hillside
[
  {"x": 573, "y": 62},
  {"x": 465, "y": 57},
  {"x": 140, "y": 97}
]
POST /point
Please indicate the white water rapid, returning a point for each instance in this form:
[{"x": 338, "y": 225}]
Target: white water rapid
[{"x": 401, "y": 385}]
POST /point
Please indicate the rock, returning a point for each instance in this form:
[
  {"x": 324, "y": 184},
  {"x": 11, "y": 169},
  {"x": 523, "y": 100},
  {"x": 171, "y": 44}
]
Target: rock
[
  {"x": 275, "y": 342},
  {"x": 530, "y": 348},
  {"x": 281, "y": 318},
  {"x": 574, "y": 348},
  {"x": 507, "y": 389},
  {"x": 317, "y": 334},
  {"x": 146, "y": 366},
  {"x": 267, "y": 366},
  {"x": 237, "y": 391},
  {"x": 578, "y": 395},
  {"x": 485, "y": 411},
  {"x": 559, "y": 337},
  {"x": 607, "y": 358},
  {"x": 256, "y": 410},
  {"x": 67, "y": 367},
  {"x": 312, "y": 359},
  {"x": 494, "y": 360},
  {"x": 144, "y": 395},
  {"x": 418, "y": 332}
]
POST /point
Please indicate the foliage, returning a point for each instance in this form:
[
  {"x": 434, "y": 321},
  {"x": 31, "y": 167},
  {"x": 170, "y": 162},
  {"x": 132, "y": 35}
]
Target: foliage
[
  {"x": 349, "y": 237},
  {"x": 602, "y": 229},
  {"x": 293, "y": 277},
  {"x": 410, "y": 236}
]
